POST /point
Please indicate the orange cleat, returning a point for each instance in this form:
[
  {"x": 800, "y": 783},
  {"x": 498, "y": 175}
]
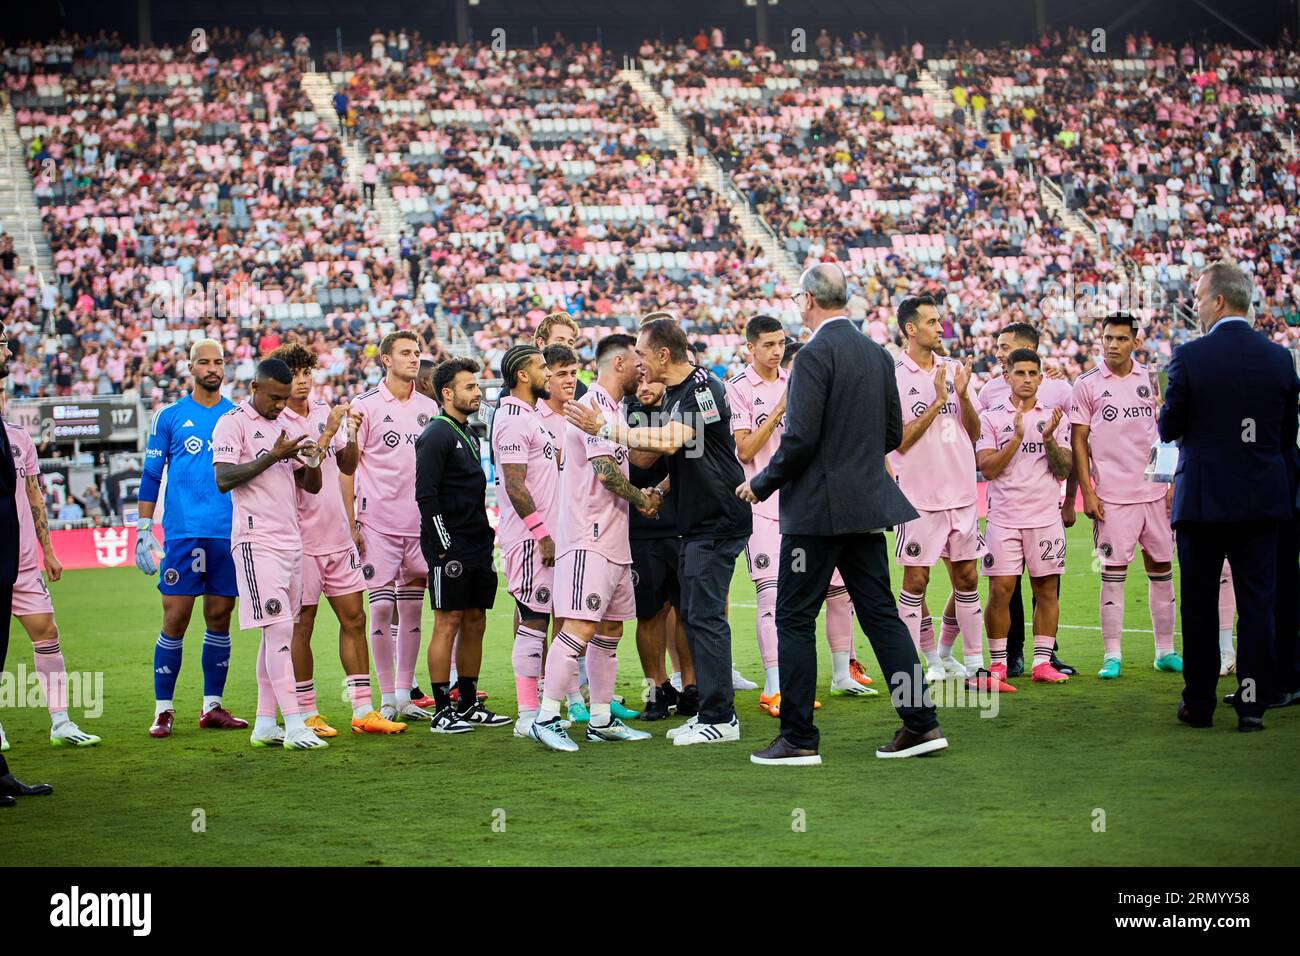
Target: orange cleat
[
  {"x": 318, "y": 726},
  {"x": 857, "y": 672},
  {"x": 772, "y": 705},
  {"x": 373, "y": 723}
]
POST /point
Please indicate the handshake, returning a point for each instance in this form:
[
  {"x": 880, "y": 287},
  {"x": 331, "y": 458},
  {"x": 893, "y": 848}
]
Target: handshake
[{"x": 654, "y": 501}]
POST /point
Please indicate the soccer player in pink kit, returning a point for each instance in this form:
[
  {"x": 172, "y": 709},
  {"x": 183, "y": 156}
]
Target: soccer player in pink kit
[
  {"x": 387, "y": 523},
  {"x": 934, "y": 465},
  {"x": 1024, "y": 452},
  {"x": 262, "y": 474},
  {"x": 31, "y": 604},
  {"x": 757, "y": 400},
  {"x": 331, "y": 564},
  {"x": 526, "y": 456},
  {"x": 592, "y": 594},
  {"x": 1113, "y": 426}
]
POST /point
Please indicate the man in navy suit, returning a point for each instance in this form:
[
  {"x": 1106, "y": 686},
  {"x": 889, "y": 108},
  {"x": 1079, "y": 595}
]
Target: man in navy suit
[{"x": 1231, "y": 404}]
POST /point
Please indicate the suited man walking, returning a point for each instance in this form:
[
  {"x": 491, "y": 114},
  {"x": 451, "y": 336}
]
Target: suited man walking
[
  {"x": 842, "y": 417},
  {"x": 1231, "y": 404},
  {"x": 10, "y": 787}
]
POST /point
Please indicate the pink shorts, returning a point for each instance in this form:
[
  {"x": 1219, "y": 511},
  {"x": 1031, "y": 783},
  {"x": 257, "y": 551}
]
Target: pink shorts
[
  {"x": 31, "y": 596},
  {"x": 763, "y": 552},
  {"x": 1011, "y": 550},
  {"x": 270, "y": 584},
  {"x": 528, "y": 580},
  {"x": 1146, "y": 523},
  {"x": 836, "y": 580},
  {"x": 953, "y": 534},
  {"x": 331, "y": 575},
  {"x": 391, "y": 559},
  {"x": 590, "y": 587}
]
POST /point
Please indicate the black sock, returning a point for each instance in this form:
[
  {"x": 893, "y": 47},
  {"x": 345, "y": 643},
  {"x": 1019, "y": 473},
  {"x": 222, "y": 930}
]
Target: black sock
[
  {"x": 441, "y": 699},
  {"x": 468, "y": 689},
  {"x": 416, "y": 693}
]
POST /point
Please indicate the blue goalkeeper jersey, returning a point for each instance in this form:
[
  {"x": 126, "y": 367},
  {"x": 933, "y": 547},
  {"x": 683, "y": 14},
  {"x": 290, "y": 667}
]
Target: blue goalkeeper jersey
[{"x": 181, "y": 441}]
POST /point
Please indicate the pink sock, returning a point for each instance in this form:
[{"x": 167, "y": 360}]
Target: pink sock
[
  {"x": 526, "y": 660},
  {"x": 409, "y": 600},
  {"x": 1227, "y": 600},
  {"x": 1160, "y": 594},
  {"x": 602, "y": 669},
  {"x": 997, "y": 651},
  {"x": 909, "y": 609},
  {"x": 276, "y": 641},
  {"x": 562, "y": 666},
  {"x": 839, "y": 621},
  {"x": 766, "y": 615},
  {"x": 1112, "y": 611},
  {"x": 970, "y": 621},
  {"x": 305, "y": 691},
  {"x": 265, "y": 690},
  {"x": 359, "y": 690},
  {"x": 382, "y": 644},
  {"x": 1043, "y": 648},
  {"x": 51, "y": 674},
  {"x": 927, "y": 635},
  {"x": 948, "y": 631}
]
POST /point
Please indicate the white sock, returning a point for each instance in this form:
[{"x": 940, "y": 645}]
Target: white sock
[
  {"x": 401, "y": 697},
  {"x": 210, "y": 701},
  {"x": 359, "y": 712},
  {"x": 771, "y": 680},
  {"x": 264, "y": 726},
  {"x": 58, "y": 719},
  {"x": 1225, "y": 642},
  {"x": 549, "y": 710},
  {"x": 600, "y": 715},
  {"x": 932, "y": 658},
  {"x": 527, "y": 716},
  {"x": 582, "y": 672},
  {"x": 676, "y": 679},
  {"x": 390, "y": 700},
  {"x": 161, "y": 705},
  {"x": 840, "y": 665},
  {"x": 293, "y": 722}
]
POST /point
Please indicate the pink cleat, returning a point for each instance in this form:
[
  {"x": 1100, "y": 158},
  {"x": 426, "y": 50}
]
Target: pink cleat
[
  {"x": 1045, "y": 673},
  {"x": 989, "y": 680}
]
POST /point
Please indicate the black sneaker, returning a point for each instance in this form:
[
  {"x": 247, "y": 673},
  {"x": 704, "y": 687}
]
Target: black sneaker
[
  {"x": 447, "y": 721},
  {"x": 1061, "y": 666},
  {"x": 1016, "y": 666},
  {"x": 480, "y": 716},
  {"x": 688, "y": 701},
  {"x": 663, "y": 700}
]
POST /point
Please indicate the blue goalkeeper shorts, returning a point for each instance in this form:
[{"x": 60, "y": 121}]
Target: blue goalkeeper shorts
[{"x": 194, "y": 566}]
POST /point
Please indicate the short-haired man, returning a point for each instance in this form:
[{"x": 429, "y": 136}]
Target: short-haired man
[
  {"x": 558, "y": 328},
  {"x": 1023, "y": 451},
  {"x": 1113, "y": 426}
]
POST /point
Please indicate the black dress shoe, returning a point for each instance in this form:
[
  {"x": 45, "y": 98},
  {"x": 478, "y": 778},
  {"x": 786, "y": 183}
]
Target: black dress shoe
[
  {"x": 8, "y": 801},
  {"x": 11, "y": 786},
  {"x": 1063, "y": 667},
  {"x": 1016, "y": 666},
  {"x": 781, "y": 751},
  {"x": 1249, "y": 724},
  {"x": 1283, "y": 701},
  {"x": 1186, "y": 717}
]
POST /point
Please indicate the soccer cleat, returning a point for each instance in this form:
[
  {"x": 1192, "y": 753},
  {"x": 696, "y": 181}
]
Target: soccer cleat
[
  {"x": 411, "y": 712},
  {"x": 522, "y": 725},
  {"x": 577, "y": 712},
  {"x": 1014, "y": 667},
  {"x": 1109, "y": 668},
  {"x": 1170, "y": 663},
  {"x": 304, "y": 739},
  {"x": 1227, "y": 663},
  {"x": 447, "y": 721},
  {"x": 620, "y": 711},
  {"x": 480, "y": 716},
  {"x": 4, "y": 741},
  {"x": 676, "y": 680},
  {"x": 984, "y": 679},
  {"x": 454, "y": 696},
  {"x": 702, "y": 733},
  {"x": 615, "y": 730},
  {"x": 376, "y": 723},
  {"x": 551, "y": 734},
  {"x": 162, "y": 724},
  {"x": 318, "y": 726},
  {"x": 1045, "y": 673},
  {"x": 273, "y": 739},
  {"x": 772, "y": 705},
  {"x": 952, "y": 667},
  {"x": 848, "y": 687},
  {"x": 424, "y": 701},
  {"x": 1061, "y": 667},
  {"x": 857, "y": 672},
  {"x": 218, "y": 718},
  {"x": 740, "y": 682},
  {"x": 936, "y": 674},
  {"x": 70, "y": 735}
]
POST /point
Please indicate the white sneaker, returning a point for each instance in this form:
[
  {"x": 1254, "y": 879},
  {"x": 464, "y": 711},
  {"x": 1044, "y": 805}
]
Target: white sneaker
[
  {"x": 409, "y": 711},
  {"x": 304, "y": 739},
  {"x": 684, "y": 728},
  {"x": 274, "y": 739},
  {"x": 69, "y": 734},
  {"x": 953, "y": 667},
  {"x": 446, "y": 721},
  {"x": 848, "y": 687},
  {"x": 709, "y": 734},
  {"x": 740, "y": 682},
  {"x": 1227, "y": 664},
  {"x": 935, "y": 674}
]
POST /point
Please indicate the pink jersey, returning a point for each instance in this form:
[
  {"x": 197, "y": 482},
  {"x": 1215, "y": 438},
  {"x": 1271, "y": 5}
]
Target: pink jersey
[
  {"x": 938, "y": 472},
  {"x": 28, "y": 466},
  {"x": 386, "y": 474},
  {"x": 1120, "y": 413},
  {"x": 1052, "y": 392},
  {"x": 321, "y": 518},
  {"x": 752, "y": 399},
  {"x": 1026, "y": 494},
  {"x": 591, "y": 517},
  {"x": 553, "y": 422},
  {"x": 265, "y": 510},
  {"x": 520, "y": 438}
]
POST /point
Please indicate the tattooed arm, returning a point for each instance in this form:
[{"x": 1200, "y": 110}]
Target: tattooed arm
[
  {"x": 612, "y": 477},
  {"x": 516, "y": 476},
  {"x": 36, "y": 499}
]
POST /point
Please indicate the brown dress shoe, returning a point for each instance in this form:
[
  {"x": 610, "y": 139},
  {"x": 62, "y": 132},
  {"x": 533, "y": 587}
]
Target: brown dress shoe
[
  {"x": 781, "y": 752},
  {"x": 907, "y": 743}
]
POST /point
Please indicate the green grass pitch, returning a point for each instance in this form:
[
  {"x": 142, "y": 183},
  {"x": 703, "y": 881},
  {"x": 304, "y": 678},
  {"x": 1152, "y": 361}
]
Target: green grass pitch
[{"x": 1030, "y": 786}]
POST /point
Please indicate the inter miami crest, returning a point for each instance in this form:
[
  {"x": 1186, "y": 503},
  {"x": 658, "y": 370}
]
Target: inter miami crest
[
  {"x": 988, "y": 560},
  {"x": 320, "y": 428},
  {"x": 1144, "y": 391},
  {"x": 422, "y": 419},
  {"x": 762, "y": 561},
  {"x": 454, "y": 569},
  {"x": 593, "y": 602},
  {"x": 913, "y": 549},
  {"x": 1042, "y": 427},
  {"x": 543, "y": 595},
  {"x": 368, "y": 571},
  {"x": 272, "y": 606},
  {"x": 171, "y": 576},
  {"x": 1105, "y": 549}
]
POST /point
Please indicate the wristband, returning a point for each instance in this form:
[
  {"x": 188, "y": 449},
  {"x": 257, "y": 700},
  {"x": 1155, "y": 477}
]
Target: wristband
[{"x": 536, "y": 526}]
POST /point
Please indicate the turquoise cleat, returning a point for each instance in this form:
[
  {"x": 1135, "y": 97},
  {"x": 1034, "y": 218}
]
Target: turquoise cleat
[
  {"x": 1109, "y": 668},
  {"x": 1170, "y": 663},
  {"x": 620, "y": 712},
  {"x": 578, "y": 713}
]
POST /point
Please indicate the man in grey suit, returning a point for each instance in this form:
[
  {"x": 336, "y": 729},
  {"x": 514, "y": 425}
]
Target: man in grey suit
[{"x": 842, "y": 417}]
